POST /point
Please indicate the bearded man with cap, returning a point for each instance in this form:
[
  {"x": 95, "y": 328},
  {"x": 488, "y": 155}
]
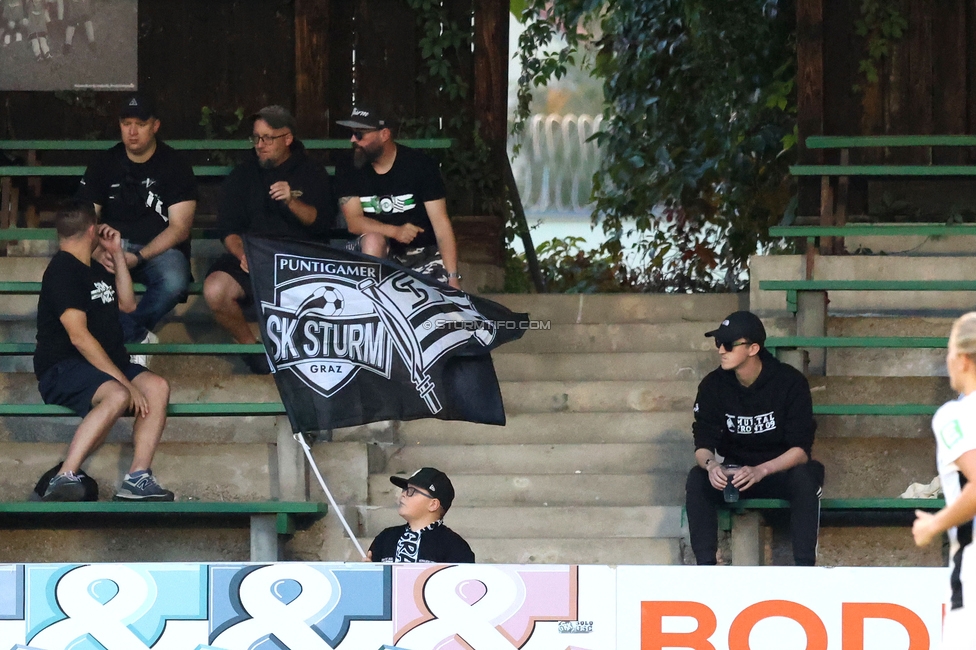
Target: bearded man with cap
[
  {"x": 145, "y": 189},
  {"x": 425, "y": 498},
  {"x": 277, "y": 192},
  {"x": 394, "y": 198},
  {"x": 755, "y": 412}
]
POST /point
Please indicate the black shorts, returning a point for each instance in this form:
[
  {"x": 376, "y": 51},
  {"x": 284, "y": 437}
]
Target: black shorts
[
  {"x": 425, "y": 260},
  {"x": 74, "y": 382},
  {"x": 230, "y": 265}
]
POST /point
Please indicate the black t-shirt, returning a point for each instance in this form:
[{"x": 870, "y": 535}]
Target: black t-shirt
[
  {"x": 136, "y": 197},
  {"x": 751, "y": 425},
  {"x": 246, "y": 207},
  {"x": 69, "y": 283},
  {"x": 396, "y": 197},
  {"x": 434, "y": 543}
]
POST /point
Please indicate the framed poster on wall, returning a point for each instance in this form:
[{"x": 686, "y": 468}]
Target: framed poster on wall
[{"x": 68, "y": 44}]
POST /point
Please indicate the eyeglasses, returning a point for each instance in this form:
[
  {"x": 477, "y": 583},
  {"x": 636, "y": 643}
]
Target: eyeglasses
[
  {"x": 410, "y": 490},
  {"x": 728, "y": 347},
  {"x": 265, "y": 139},
  {"x": 358, "y": 135}
]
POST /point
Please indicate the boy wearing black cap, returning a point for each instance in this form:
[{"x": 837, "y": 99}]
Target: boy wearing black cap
[
  {"x": 758, "y": 415},
  {"x": 393, "y": 197},
  {"x": 425, "y": 498},
  {"x": 146, "y": 190}
]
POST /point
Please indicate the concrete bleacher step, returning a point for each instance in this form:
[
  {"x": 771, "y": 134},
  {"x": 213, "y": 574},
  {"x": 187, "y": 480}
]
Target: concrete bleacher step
[
  {"x": 527, "y": 522},
  {"x": 623, "y": 308},
  {"x": 591, "y": 396},
  {"x": 659, "y": 488},
  {"x": 624, "y": 366},
  {"x": 557, "y": 428},
  {"x": 599, "y": 458},
  {"x": 572, "y": 551},
  {"x": 886, "y": 362},
  {"x": 209, "y": 472}
]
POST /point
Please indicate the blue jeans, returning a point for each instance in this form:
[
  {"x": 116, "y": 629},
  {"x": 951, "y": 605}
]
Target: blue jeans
[{"x": 167, "y": 278}]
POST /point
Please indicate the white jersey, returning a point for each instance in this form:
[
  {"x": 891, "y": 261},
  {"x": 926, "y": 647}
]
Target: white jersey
[{"x": 954, "y": 426}]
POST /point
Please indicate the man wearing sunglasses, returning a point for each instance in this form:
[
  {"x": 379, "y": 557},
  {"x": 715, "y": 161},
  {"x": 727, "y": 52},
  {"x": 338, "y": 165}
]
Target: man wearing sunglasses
[
  {"x": 145, "y": 189},
  {"x": 393, "y": 197},
  {"x": 277, "y": 192},
  {"x": 757, "y": 414},
  {"x": 425, "y": 498}
]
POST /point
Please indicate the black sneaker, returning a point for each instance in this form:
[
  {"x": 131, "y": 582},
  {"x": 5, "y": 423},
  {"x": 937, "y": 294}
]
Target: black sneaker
[
  {"x": 257, "y": 363},
  {"x": 66, "y": 50},
  {"x": 64, "y": 487},
  {"x": 142, "y": 487}
]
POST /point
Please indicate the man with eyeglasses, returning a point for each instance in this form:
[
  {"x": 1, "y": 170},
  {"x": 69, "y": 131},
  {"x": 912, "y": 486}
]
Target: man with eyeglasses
[
  {"x": 425, "y": 498},
  {"x": 145, "y": 189},
  {"x": 757, "y": 414},
  {"x": 393, "y": 197},
  {"x": 277, "y": 192}
]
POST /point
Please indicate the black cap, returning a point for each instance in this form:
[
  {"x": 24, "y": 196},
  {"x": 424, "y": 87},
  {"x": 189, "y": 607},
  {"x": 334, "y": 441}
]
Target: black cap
[
  {"x": 430, "y": 480},
  {"x": 277, "y": 117},
  {"x": 366, "y": 118},
  {"x": 740, "y": 325},
  {"x": 138, "y": 106}
]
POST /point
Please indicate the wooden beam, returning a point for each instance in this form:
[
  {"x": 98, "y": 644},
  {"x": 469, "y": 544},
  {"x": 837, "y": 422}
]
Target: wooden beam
[
  {"x": 312, "y": 67},
  {"x": 810, "y": 75},
  {"x": 491, "y": 70}
]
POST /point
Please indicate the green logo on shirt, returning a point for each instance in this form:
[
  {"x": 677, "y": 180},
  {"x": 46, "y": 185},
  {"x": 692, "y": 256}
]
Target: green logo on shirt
[{"x": 951, "y": 434}]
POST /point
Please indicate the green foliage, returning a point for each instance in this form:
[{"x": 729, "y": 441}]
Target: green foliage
[
  {"x": 880, "y": 24},
  {"x": 699, "y": 124},
  {"x": 220, "y": 124},
  {"x": 568, "y": 268}
]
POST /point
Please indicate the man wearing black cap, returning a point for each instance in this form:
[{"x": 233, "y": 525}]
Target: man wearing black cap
[
  {"x": 757, "y": 414},
  {"x": 393, "y": 197},
  {"x": 145, "y": 189},
  {"x": 425, "y": 498},
  {"x": 277, "y": 192}
]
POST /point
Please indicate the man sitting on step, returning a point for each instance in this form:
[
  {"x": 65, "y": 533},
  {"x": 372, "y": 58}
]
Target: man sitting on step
[
  {"x": 425, "y": 498},
  {"x": 146, "y": 190},
  {"x": 758, "y": 415},
  {"x": 81, "y": 361}
]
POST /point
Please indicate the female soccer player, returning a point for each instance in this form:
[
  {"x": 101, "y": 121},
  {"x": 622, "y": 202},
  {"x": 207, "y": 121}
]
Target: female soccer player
[{"x": 954, "y": 426}]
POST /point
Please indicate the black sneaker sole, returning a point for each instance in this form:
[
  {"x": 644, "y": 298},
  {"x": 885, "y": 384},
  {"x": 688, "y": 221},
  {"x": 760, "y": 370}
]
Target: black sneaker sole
[{"x": 161, "y": 497}]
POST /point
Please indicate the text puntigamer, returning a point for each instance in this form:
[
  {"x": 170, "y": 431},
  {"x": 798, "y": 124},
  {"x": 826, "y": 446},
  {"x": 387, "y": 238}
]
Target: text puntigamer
[{"x": 331, "y": 268}]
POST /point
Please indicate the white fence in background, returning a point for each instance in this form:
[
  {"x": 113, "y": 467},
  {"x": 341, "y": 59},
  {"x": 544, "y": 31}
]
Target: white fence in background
[{"x": 555, "y": 166}]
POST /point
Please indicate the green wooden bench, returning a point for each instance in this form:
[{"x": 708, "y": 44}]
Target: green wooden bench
[
  {"x": 831, "y": 215},
  {"x": 34, "y": 170},
  {"x": 190, "y": 409},
  {"x": 807, "y": 299},
  {"x": 744, "y": 518},
  {"x": 268, "y": 520}
]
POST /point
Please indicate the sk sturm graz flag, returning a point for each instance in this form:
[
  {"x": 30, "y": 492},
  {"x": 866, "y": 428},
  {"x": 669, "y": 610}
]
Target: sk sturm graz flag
[{"x": 354, "y": 339}]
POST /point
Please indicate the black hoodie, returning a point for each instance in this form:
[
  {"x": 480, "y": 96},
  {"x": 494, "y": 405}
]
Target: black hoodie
[
  {"x": 247, "y": 208},
  {"x": 754, "y": 424}
]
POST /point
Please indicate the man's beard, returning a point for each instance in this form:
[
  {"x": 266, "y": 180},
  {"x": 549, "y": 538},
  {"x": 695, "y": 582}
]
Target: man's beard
[
  {"x": 361, "y": 156},
  {"x": 266, "y": 163}
]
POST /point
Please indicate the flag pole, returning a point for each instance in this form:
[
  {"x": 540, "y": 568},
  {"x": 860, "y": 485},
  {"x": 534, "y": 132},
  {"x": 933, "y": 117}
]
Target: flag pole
[{"x": 335, "y": 507}]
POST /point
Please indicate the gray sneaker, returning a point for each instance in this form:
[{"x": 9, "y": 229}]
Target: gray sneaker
[
  {"x": 64, "y": 487},
  {"x": 142, "y": 487}
]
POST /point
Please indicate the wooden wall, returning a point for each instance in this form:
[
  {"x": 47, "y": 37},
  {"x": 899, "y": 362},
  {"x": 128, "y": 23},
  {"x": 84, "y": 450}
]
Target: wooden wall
[
  {"x": 926, "y": 86},
  {"x": 227, "y": 54}
]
